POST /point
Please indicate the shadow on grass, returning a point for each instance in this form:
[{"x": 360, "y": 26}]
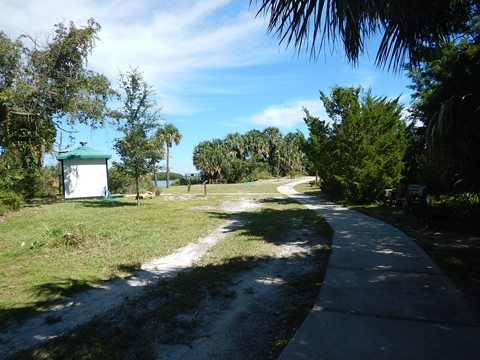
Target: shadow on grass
[
  {"x": 273, "y": 225},
  {"x": 128, "y": 269},
  {"x": 61, "y": 288},
  {"x": 392, "y": 215},
  {"x": 105, "y": 203},
  {"x": 219, "y": 215},
  {"x": 168, "y": 310},
  {"x": 53, "y": 290},
  {"x": 279, "y": 201},
  {"x": 42, "y": 201}
]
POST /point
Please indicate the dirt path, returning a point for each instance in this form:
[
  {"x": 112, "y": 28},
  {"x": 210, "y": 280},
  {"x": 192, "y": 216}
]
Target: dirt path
[
  {"x": 257, "y": 322},
  {"x": 248, "y": 326}
]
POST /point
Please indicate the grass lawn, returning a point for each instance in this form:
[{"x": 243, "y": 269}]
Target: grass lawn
[
  {"x": 309, "y": 188},
  {"x": 264, "y": 230},
  {"x": 127, "y": 333},
  {"x": 260, "y": 187},
  {"x": 51, "y": 250}
]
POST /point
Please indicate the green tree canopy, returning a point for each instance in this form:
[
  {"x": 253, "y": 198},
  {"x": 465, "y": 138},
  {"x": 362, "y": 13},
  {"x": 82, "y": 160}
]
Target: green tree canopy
[
  {"x": 139, "y": 149},
  {"x": 209, "y": 156},
  {"x": 447, "y": 102},
  {"x": 42, "y": 86},
  {"x": 359, "y": 152},
  {"x": 251, "y": 156}
]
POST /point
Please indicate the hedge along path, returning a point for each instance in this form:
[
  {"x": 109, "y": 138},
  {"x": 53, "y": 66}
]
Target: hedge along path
[{"x": 79, "y": 309}]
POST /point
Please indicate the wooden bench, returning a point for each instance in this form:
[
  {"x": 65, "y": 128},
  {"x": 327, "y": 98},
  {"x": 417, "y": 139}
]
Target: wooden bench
[
  {"x": 403, "y": 196},
  {"x": 414, "y": 195}
]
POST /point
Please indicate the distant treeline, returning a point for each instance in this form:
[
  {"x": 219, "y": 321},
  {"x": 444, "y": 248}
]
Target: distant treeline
[{"x": 173, "y": 176}]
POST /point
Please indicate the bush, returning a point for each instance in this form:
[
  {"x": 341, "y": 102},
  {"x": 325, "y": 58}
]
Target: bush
[
  {"x": 192, "y": 181},
  {"x": 118, "y": 181},
  {"x": 454, "y": 211},
  {"x": 333, "y": 187},
  {"x": 258, "y": 174},
  {"x": 10, "y": 200},
  {"x": 45, "y": 183}
]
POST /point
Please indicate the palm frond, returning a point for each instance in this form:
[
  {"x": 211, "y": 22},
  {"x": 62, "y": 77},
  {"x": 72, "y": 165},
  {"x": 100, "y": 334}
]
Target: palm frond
[{"x": 408, "y": 25}]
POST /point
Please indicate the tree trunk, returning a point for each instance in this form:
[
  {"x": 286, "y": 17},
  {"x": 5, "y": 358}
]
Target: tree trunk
[
  {"x": 138, "y": 189},
  {"x": 168, "y": 166}
]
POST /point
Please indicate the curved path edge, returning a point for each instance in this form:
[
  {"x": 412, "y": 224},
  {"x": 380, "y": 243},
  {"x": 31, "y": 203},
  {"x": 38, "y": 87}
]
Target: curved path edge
[{"x": 382, "y": 296}]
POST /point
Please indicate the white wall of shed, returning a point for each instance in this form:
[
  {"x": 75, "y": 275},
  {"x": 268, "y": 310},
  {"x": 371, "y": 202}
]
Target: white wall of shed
[{"x": 84, "y": 178}]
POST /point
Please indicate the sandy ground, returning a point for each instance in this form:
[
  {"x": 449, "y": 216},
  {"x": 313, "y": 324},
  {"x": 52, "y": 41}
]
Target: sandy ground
[{"x": 248, "y": 325}]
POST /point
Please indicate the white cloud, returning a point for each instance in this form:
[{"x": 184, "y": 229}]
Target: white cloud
[
  {"x": 288, "y": 115},
  {"x": 169, "y": 41}
]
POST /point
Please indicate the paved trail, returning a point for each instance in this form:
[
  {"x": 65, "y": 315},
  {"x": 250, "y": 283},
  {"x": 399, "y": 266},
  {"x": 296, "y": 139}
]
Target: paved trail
[{"x": 382, "y": 297}]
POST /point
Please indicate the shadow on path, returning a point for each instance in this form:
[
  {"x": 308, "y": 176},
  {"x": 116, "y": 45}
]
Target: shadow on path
[{"x": 382, "y": 297}]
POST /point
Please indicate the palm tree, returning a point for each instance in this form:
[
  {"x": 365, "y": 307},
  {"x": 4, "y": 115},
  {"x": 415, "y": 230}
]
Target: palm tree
[
  {"x": 170, "y": 135},
  {"x": 408, "y": 26},
  {"x": 236, "y": 144},
  {"x": 272, "y": 139},
  {"x": 255, "y": 144},
  {"x": 290, "y": 157},
  {"x": 209, "y": 157}
]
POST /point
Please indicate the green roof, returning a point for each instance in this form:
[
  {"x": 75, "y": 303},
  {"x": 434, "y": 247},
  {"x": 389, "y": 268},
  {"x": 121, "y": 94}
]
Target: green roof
[{"x": 83, "y": 152}]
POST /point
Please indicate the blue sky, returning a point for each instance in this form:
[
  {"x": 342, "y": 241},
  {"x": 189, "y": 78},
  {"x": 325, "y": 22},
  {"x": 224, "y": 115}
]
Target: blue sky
[{"x": 211, "y": 63}]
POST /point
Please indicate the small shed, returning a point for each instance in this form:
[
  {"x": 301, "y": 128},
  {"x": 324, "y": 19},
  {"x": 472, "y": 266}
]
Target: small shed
[{"x": 84, "y": 172}]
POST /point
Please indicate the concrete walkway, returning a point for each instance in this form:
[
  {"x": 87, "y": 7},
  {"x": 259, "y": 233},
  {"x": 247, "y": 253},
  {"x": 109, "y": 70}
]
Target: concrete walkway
[{"x": 382, "y": 297}]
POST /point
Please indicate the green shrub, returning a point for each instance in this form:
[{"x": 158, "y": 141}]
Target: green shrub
[
  {"x": 259, "y": 174},
  {"x": 460, "y": 211},
  {"x": 118, "y": 181},
  {"x": 11, "y": 200},
  {"x": 3, "y": 209},
  {"x": 47, "y": 183}
]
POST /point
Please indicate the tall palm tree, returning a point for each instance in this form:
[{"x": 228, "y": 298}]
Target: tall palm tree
[
  {"x": 408, "y": 26},
  {"x": 170, "y": 135}
]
